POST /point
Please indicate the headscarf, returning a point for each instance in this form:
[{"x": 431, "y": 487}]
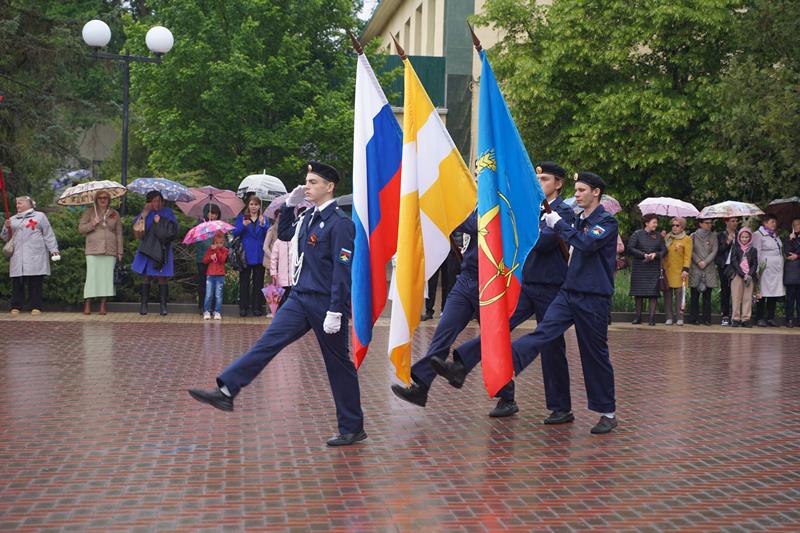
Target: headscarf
[
  {"x": 766, "y": 230},
  {"x": 743, "y": 264}
]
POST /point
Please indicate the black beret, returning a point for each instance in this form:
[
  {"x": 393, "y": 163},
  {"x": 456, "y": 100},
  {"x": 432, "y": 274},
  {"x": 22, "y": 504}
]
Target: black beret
[
  {"x": 324, "y": 171},
  {"x": 548, "y": 167},
  {"x": 591, "y": 179}
]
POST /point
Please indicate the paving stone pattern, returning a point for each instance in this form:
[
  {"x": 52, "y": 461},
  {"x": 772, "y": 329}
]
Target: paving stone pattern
[{"x": 97, "y": 432}]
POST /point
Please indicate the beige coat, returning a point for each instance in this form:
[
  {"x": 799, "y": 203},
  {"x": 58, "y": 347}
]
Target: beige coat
[{"x": 104, "y": 238}]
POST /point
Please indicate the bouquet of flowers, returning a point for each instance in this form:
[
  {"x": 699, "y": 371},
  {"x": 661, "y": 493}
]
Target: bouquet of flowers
[{"x": 273, "y": 294}]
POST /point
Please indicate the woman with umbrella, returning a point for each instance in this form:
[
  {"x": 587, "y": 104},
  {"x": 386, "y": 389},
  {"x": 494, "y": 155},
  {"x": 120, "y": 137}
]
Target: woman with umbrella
[
  {"x": 157, "y": 227},
  {"x": 646, "y": 248},
  {"x": 103, "y": 230},
  {"x": 251, "y": 227}
]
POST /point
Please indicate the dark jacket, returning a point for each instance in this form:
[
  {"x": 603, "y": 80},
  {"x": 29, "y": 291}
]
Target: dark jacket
[
  {"x": 469, "y": 263},
  {"x": 546, "y": 264},
  {"x": 644, "y": 276},
  {"x": 736, "y": 258},
  {"x": 158, "y": 239},
  {"x": 594, "y": 255},
  {"x": 327, "y": 252},
  {"x": 791, "y": 269},
  {"x": 723, "y": 247}
]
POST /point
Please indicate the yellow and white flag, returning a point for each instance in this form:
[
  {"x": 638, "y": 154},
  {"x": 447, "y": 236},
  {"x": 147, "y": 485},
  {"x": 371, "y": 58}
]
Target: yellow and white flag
[{"x": 437, "y": 193}]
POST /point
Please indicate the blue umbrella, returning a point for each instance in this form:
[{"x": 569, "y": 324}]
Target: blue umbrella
[{"x": 170, "y": 190}]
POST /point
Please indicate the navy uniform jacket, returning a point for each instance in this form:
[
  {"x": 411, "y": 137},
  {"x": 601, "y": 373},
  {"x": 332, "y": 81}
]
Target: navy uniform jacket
[
  {"x": 545, "y": 264},
  {"x": 594, "y": 254},
  {"x": 327, "y": 250},
  {"x": 469, "y": 263}
]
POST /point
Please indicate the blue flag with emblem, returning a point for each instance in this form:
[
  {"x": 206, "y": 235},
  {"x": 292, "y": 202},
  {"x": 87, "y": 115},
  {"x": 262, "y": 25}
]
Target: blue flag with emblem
[{"x": 509, "y": 196}]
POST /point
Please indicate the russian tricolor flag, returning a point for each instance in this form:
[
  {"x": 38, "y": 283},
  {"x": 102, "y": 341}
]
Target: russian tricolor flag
[{"x": 377, "y": 155}]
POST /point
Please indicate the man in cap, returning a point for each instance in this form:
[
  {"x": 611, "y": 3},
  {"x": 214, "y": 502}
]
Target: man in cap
[
  {"x": 319, "y": 301},
  {"x": 542, "y": 275},
  {"x": 583, "y": 300}
]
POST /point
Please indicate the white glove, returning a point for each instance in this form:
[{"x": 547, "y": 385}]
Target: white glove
[
  {"x": 551, "y": 218},
  {"x": 297, "y": 195},
  {"x": 333, "y": 322}
]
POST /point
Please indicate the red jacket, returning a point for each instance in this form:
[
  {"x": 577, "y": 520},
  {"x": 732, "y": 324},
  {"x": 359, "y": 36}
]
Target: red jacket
[{"x": 217, "y": 267}]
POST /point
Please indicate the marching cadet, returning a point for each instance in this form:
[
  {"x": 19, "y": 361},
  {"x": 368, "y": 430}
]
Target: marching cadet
[
  {"x": 542, "y": 275},
  {"x": 583, "y": 300},
  {"x": 319, "y": 301},
  {"x": 460, "y": 308}
]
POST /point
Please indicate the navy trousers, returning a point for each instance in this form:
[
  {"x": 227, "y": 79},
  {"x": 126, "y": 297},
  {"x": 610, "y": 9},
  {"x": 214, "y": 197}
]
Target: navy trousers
[
  {"x": 461, "y": 306},
  {"x": 533, "y": 300},
  {"x": 589, "y": 313},
  {"x": 301, "y": 313}
]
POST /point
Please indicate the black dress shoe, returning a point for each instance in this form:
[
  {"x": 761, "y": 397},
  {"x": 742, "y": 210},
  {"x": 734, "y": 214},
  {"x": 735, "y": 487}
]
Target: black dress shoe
[
  {"x": 736, "y": 324},
  {"x": 747, "y": 324},
  {"x": 214, "y": 398},
  {"x": 637, "y": 320},
  {"x": 504, "y": 408},
  {"x": 257, "y": 312},
  {"x": 761, "y": 323},
  {"x": 345, "y": 439},
  {"x": 413, "y": 394},
  {"x": 242, "y": 311},
  {"x": 559, "y": 417},
  {"x": 771, "y": 323},
  {"x": 453, "y": 371},
  {"x": 427, "y": 316},
  {"x": 605, "y": 425},
  {"x": 651, "y": 322}
]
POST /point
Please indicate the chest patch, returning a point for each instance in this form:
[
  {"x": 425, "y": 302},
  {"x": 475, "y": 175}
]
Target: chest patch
[
  {"x": 345, "y": 256},
  {"x": 597, "y": 231}
]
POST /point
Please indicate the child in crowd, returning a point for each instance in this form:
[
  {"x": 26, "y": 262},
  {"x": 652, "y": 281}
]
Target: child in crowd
[
  {"x": 215, "y": 258},
  {"x": 743, "y": 272}
]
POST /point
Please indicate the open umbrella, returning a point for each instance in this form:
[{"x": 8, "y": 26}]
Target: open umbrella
[
  {"x": 786, "y": 209},
  {"x": 277, "y": 203},
  {"x": 273, "y": 294},
  {"x": 206, "y": 230},
  {"x": 264, "y": 186},
  {"x": 229, "y": 204},
  {"x": 668, "y": 207},
  {"x": 170, "y": 190},
  {"x": 608, "y": 202},
  {"x": 84, "y": 193},
  {"x": 729, "y": 209}
]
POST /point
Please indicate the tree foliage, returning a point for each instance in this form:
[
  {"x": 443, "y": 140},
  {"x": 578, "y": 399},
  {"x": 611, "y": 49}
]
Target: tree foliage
[
  {"x": 249, "y": 85},
  {"x": 51, "y": 88},
  {"x": 649, "y": 92}
]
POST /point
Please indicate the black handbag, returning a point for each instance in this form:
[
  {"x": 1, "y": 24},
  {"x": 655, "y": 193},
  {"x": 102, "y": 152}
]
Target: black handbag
[
  {"x": 237, "y": 258},
  {"x": 121, "y": 274}
]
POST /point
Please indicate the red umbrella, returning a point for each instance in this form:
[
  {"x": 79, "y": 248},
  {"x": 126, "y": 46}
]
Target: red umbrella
[{"x": 229, "y": 204}]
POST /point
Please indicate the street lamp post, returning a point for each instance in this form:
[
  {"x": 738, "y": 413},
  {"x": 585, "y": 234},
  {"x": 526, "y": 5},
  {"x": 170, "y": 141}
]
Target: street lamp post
[{"x": 97, "y": 34}]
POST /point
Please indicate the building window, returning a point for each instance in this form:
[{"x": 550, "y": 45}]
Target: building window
[
  {"x": 417, "y": 50},
  {"x": 431, "y": 28}
]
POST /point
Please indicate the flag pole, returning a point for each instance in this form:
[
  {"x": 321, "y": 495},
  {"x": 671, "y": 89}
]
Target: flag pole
[
  {"x": 356, "y": 43},
  {"x": 478, "y": 48},
  {"x": 400, "y": 51}
]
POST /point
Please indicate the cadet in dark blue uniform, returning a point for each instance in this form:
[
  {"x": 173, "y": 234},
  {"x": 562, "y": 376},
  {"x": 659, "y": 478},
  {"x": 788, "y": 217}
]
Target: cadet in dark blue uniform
[
  {"x": 544, "y": 271},
  {"x": 319, "y": 301},
  {"x": 460, "y": 308},
  {"x": 583, "y": 300}
]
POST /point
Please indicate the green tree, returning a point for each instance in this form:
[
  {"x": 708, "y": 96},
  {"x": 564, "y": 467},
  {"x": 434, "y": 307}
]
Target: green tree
[
  {"x": 758, "y": 118},
  {"x": 249, "y": 85},
  {"x": 622, "y": 87},
  {"x": 51, "y": 88}
]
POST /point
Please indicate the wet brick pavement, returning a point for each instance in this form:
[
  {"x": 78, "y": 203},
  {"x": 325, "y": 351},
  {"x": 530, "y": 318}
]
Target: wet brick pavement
[{"x": 97, "y": 432}]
